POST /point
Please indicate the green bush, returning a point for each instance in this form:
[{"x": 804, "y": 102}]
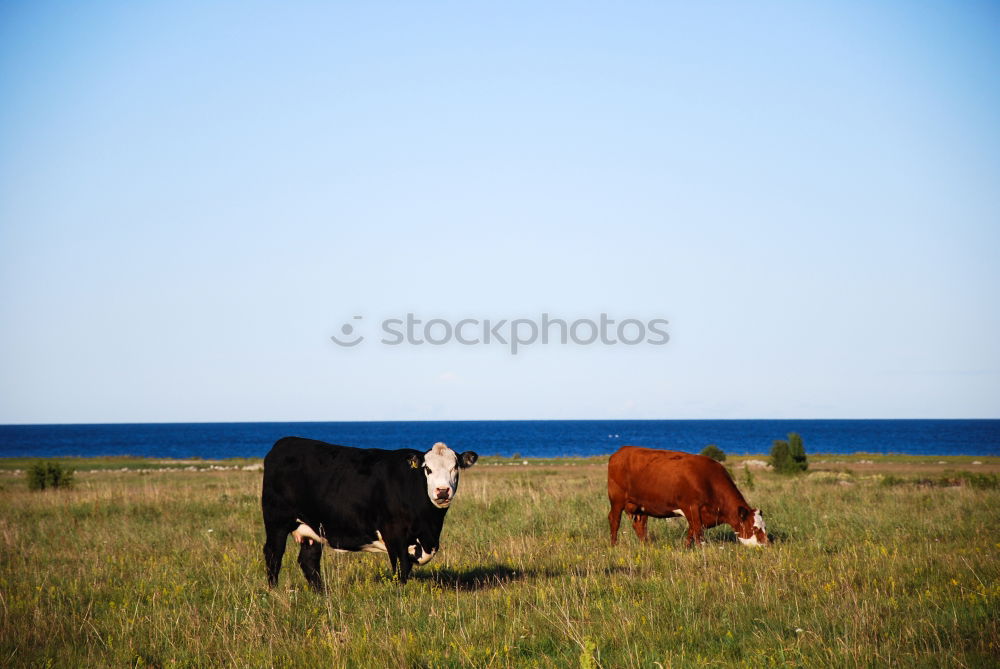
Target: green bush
[
  {"x": 748, "y": 480},
  {"x": 44, "y": 475},
  {"x": 798, "y": 451},
  {"x": 789, "y": 457},
  {"x": 780, "y": 457},
  {"x": 714, "y": 452}
]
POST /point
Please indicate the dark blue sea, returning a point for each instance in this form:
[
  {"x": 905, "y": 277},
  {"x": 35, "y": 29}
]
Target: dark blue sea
[{"x": 550, "y": 438}]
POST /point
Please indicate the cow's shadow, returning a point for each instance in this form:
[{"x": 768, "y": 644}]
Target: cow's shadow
[{"x": 475, "y": 578}]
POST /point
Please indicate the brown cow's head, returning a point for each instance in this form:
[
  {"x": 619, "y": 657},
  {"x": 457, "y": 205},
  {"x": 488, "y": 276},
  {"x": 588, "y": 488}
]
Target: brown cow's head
[{"x": 751, "y": 530}]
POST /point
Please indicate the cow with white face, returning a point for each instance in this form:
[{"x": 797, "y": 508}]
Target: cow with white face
[
  {"x": 441, "y": 466},
  {"x": 353, "y": 499}
]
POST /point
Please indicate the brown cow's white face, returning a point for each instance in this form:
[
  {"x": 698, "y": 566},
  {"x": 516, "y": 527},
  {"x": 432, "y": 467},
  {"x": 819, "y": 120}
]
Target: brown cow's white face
[
  {"x": 752, "y": 531},
  {"x": 441, "y": 466}
]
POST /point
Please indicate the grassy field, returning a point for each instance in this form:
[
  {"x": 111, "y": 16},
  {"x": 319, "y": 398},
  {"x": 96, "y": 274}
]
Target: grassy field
[{"x": 163, "y": 568}]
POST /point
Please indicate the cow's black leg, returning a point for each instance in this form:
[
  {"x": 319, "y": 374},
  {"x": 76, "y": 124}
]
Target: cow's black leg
[
  {"x": 405, "y": 566},
  {"x": 279, "y": 521},
  {"x": 310, "y": 553},
  {"x": 399, "y": 559},
  {"x": 274, "y": 550},
  {"x": 393, "y": 560}
]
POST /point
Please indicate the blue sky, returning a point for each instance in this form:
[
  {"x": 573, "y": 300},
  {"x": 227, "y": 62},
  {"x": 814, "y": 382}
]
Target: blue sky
[{"x": 195, "y": 196}]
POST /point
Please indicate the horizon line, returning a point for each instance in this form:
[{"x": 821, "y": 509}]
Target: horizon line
[{"x": 481, "y": 420}]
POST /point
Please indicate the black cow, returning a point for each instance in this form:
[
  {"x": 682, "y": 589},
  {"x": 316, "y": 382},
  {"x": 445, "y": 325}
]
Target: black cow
[{"x": 356, "y": 499}]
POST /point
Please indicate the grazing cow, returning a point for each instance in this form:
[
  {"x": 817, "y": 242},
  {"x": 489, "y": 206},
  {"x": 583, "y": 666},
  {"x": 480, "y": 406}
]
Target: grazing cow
[
  {"x": 646, "y": 482},
  {"x": 354, "y": 499}
]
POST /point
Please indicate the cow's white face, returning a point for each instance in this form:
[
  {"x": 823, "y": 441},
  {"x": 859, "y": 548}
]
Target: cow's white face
[
  {"x": 753, "y": 532},
  {"x": 441, "y": 466}
]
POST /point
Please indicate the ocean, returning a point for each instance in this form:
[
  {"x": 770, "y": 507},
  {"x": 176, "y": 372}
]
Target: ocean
[{"x": 547, "y": 438}]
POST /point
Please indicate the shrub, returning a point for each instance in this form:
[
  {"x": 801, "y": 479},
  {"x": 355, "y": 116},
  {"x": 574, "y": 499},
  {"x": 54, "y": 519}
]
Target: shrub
[
  {"x": 44, "y": 475},
  {"x": 789, "y": 457},
  {"x": 714, "y": 452},
  {"x": 797, "y": 451},
  {"x": 779, "y": 456},
  {"x": 748, "y": 478}
]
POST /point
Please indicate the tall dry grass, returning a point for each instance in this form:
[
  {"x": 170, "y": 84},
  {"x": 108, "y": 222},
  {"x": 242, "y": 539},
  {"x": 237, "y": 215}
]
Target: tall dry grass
[{"x": 164, "y": 569}]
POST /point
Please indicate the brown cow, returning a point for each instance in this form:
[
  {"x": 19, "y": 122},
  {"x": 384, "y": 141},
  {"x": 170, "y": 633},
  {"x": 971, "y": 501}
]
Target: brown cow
[{"x": 646, "y": 482}]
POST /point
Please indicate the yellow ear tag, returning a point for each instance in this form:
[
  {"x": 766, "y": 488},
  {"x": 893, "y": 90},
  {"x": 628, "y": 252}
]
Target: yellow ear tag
[{"x": 414, "y": 464}]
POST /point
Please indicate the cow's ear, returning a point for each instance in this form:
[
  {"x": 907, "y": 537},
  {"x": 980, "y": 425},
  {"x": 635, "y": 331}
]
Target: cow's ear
[
  {"x": 414, "y": 461},
  {"x": 744, "y": 513},
  {"x": 467, "y": 459}
]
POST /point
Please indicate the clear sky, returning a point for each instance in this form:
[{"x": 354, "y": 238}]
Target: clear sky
[{"x": 195, "y": 196}]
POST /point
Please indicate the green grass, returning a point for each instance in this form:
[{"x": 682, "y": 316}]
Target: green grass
[
  {"x": 164, "y": 569},
  {"x": 124, "y": 462}
]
